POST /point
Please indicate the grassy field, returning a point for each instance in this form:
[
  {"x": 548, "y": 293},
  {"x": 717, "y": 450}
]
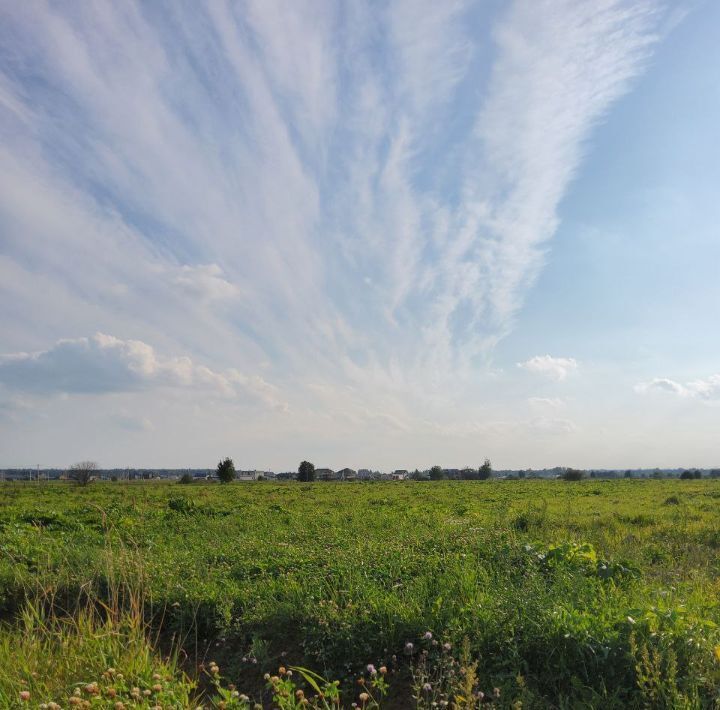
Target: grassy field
[{"x": 516, "y": 594}]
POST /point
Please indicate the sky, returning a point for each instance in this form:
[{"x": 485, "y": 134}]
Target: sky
[{"x": 366, "y": 234}]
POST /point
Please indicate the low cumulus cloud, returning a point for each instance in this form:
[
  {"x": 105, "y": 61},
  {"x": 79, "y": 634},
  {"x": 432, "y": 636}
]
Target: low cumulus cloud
[
  {"x": 556, "y": 368},
  {"x": 103, "y": 364},
  {"x": 704, "y": 389}
]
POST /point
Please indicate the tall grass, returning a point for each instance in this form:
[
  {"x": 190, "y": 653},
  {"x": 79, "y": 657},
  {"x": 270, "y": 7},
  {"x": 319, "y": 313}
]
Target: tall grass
[{"x": 97, "y": 653}]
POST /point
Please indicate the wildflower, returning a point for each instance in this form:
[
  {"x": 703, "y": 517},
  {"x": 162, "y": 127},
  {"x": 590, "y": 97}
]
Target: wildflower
[
  {"x": 480, "y": 695},
  {"x": 282, "y": 670},
  {"x": 364, "y": 697},
  {"x": 496, "y": 692},
  {"x": 92, "y": 689},
  {"x": 146, "y": 693},
  {"x": 157, "y": 687},
  {"x": 157, "y": 676},
  {"x": 289, "y": 674},
  {"x": 119, "y": 706},
  {"x": 274, "y": 680},
  {"x": 427, "y": 687},
  {"x": 135, "y": 693},
  {"x": 371, "y": 669},
  {"x": 244, "y": 698},
  {"x": 24, "y": 695},
  {"x": 383, "y": 670},
  {"x": 299, "y": 694},
  {"x": 253, "y": 660},
  {"x": 74, "y": 700},
  {"x": 266, "y": 676},
  {"x": 409, "y": 648},
  {"x": 111, "y": 692},
  {"x": 427, "y": 635},
  {"x": 446, "y": 646}
]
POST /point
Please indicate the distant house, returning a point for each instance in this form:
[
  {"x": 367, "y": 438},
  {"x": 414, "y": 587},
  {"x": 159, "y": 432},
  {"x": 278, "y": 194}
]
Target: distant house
[
  {"x": 325, "y": 474},
  {"x": 346, "y": 474},
  {"x": 399, "y": 475},
  {"x": 364, "y": 473},
  {"x": 248, "y": 475}
]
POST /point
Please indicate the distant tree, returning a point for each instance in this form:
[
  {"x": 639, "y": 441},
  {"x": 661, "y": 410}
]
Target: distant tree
[
  {"x": 697, "y": 473},
  {"x": 715, "y": 473},
  {"x": 226, "y": 471},
  {"x": 417, "y": 475},
  {"x": 485, "y": 471},
  {"x": 437, "y": 473},
  {"x": 628, "y": 474},
  {"x": 186, "y": 478},
  {"x": 83, "y": 472},
  {"x": 573, "y": 474},
  {"x": 306, "y": 472},
  {"x": 469, "y": 474},
  {"x": 686, "y": 475}
]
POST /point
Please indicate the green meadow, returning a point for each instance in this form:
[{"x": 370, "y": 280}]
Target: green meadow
[{"x": 547, "y": 594}]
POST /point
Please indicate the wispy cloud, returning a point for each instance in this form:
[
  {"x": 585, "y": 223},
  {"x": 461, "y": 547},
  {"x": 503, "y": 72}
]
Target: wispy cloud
[{"x": 352, "y": 195}]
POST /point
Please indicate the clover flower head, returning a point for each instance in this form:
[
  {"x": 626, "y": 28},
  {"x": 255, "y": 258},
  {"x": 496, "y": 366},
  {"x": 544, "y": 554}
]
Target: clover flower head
[
  {"x": 427, "y": 687},
  {"x": 427, "y": 635}
]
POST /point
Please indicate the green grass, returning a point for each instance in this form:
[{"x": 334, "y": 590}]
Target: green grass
[{"x": 562, "y": 594}]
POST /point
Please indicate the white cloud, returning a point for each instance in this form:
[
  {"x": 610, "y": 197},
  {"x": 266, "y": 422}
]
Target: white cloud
[
  {"x": 556, "y": 368},
  {"x": 707, "y": 389},
  {"x": 104, "y": 364},
  {"x": 205, "y": 282}
]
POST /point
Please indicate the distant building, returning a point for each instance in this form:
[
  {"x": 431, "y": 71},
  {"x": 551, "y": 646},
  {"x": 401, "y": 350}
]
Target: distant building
[
  {"x": 364, "y": 473},
  {"x": 346, "y": 474},
  {"x": 325, "y": 474},
  {"x": 249, "y": 475},
  {"x": 399, "y": 475}
]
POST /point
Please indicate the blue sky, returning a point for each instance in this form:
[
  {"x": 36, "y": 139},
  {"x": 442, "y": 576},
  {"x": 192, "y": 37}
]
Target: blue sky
[{"x": 367, "y": 234}]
